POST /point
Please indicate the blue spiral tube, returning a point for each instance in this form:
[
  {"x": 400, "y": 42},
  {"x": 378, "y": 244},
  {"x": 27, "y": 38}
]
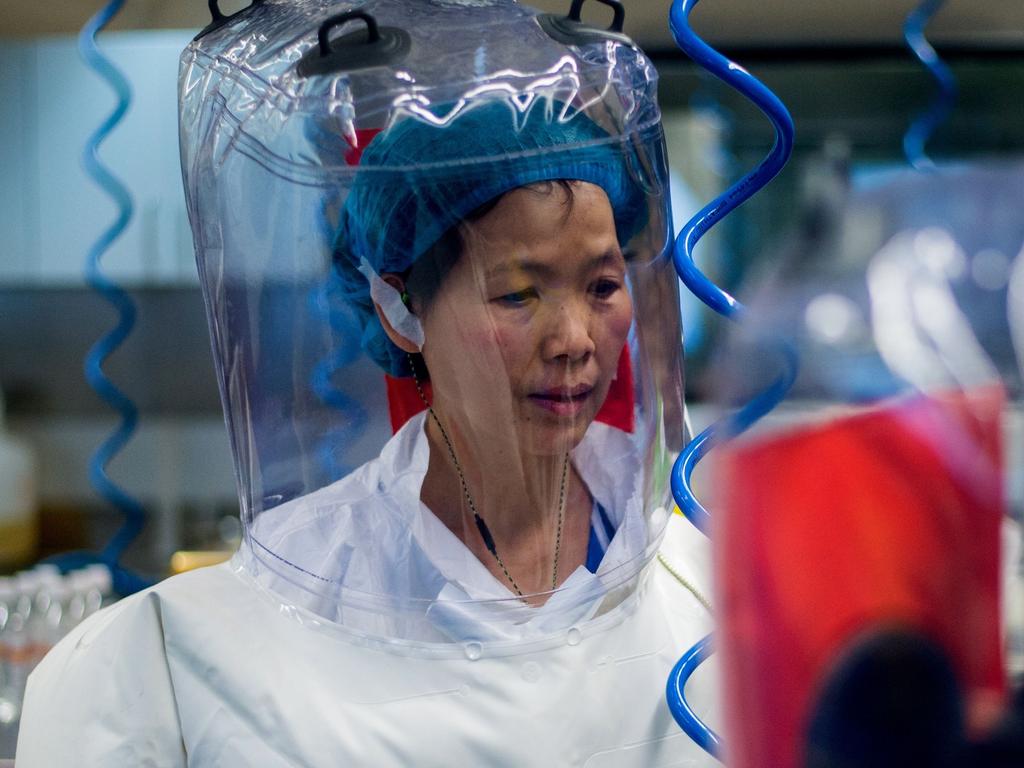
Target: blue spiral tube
[
  {"x": 924, "y": 125},
  {"x": 345, "y": 330},
  {"x": 707, "y": 739},
  {"x": 345, "y": 333},
  {"x": 724, "y": 304},
  {"x": 124, "y": 581}
]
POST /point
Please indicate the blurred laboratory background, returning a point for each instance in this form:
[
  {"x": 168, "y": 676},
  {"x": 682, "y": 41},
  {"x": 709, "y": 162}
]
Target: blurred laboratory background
[{"x": 843, "y": 70}]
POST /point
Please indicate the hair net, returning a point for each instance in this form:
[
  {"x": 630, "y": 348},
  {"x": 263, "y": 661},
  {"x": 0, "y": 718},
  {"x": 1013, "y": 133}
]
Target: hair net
[{"x": 438, "y": 170}]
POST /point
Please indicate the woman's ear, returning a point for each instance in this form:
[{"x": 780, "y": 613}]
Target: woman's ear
[
  {"x": 398, "y": 338},
  {"x": 396, "y": 282}
]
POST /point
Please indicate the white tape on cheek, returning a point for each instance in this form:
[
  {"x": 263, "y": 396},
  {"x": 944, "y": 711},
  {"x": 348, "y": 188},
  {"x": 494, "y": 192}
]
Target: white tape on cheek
[{"x": 390, "y": 302}]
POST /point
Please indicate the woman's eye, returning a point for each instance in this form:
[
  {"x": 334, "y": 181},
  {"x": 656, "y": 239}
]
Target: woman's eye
[
  {"x": 516, "y": 298},
  {"x": 603, "y": 289}
]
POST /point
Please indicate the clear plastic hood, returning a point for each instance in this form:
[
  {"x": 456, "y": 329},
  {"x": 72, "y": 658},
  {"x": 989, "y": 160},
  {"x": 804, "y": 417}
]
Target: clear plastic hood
[
  {"x": 456, "y": 51},
  {"x": 452, "y": 218}
]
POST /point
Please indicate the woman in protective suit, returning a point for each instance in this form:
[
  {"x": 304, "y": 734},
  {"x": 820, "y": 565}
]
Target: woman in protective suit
[{"x": 484, "y": 590}]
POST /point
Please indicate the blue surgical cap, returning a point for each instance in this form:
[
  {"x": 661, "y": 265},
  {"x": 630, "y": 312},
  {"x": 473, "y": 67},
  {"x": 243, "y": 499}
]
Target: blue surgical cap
[{"x": 421, "y": 177}]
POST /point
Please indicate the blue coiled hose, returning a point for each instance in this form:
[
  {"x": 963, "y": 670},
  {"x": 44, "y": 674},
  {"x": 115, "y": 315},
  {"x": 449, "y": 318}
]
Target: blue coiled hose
[
  {"x": 924, "y": 126},
  {"x": 124, "y": 581},
  {"x": 724, "y": 304},
  {"x": 345, "y": 331},
  {"x": 326, "y": 304}
]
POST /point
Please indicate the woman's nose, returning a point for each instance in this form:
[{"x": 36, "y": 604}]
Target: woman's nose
[{"x": 569, "y": 334}]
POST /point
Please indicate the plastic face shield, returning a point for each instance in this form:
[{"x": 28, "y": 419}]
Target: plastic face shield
[{"x": 443, "y": 315}]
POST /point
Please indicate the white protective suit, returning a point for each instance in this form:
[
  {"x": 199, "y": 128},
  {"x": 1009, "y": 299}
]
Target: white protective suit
[{"x": 215, "y": 668}]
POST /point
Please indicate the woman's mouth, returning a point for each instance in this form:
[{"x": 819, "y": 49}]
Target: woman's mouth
[{"x": 563, "y": 401}]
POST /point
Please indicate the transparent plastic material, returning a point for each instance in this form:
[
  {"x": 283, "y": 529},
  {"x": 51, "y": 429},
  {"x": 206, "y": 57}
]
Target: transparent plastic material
[
  {"x": 481, "y": 226},
  {"x": 858, "y": 528}
]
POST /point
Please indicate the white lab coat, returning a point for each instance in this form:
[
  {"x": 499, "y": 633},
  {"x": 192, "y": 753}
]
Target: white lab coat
[
  {"x": 369, "y": 535},
  {"x": 215, "y": 668}
]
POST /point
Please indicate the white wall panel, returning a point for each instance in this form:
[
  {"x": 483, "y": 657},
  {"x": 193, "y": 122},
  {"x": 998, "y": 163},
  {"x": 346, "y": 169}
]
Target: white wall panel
[{"x": 142, "y": 151}]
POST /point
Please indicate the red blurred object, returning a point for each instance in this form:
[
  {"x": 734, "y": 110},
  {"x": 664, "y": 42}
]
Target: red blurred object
[
  {"x": 887, "y": 517},
  {"x": 363, "y": 137},
  {"x": 404, "y": 401}
]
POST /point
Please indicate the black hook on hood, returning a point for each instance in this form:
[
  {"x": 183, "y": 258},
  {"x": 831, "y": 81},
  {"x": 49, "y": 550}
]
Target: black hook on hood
[{"x": 373, "y": 46}]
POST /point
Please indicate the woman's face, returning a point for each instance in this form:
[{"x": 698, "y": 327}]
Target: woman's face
[{"x": 526, "y": 330}]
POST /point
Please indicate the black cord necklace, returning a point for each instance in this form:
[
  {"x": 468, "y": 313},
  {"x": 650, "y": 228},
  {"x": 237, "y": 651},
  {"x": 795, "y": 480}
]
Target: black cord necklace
[{"x": 485, "y": 532}]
